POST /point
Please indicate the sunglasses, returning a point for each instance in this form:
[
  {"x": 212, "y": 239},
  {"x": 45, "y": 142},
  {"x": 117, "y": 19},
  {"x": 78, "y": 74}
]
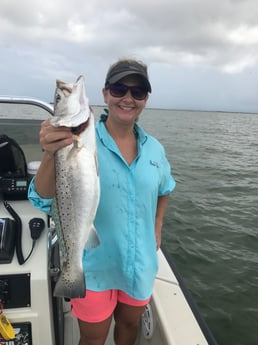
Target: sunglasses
[{"x": 120, "y": 90}]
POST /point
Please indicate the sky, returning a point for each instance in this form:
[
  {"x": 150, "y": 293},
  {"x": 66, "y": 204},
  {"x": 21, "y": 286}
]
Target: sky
[{"x": 201, "y": 54}]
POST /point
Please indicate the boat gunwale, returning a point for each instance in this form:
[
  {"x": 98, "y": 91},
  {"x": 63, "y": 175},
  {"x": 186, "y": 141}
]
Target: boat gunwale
[
  {"x": 27, "y": 101},
  {"x": 189, "y": 298}
]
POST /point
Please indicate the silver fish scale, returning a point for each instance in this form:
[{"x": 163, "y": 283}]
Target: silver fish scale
[
  {"x": 66, "y": 174},
  {"x": 64, "y": 199},
  {"x": 58, "y": 230}
]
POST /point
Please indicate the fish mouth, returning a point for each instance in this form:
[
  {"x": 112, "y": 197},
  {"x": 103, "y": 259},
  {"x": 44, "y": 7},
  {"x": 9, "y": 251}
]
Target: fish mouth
[{"x": 79, "y": 129}]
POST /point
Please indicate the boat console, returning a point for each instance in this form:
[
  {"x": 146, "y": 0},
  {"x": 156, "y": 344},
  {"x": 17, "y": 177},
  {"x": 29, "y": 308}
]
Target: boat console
[
  {"x": 25, "y": 282},
  {"x": 25, "y": 289}
]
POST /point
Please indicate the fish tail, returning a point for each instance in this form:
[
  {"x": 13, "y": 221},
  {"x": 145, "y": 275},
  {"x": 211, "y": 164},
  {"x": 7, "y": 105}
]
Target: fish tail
[
  {"x": 70, "y": 287},
  {"x": 93, "y": 239}
]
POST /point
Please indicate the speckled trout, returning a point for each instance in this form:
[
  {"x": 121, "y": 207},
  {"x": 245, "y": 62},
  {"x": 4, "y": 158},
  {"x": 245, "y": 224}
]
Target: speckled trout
[{"x": 77, "y": 186}]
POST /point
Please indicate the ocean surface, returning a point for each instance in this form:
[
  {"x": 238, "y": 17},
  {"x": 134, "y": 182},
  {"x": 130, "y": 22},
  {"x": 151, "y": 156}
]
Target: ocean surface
[{"x": 210, "y": 228}]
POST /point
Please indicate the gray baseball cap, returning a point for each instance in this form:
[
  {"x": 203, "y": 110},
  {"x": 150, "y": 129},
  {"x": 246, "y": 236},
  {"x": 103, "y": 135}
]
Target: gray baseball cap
[{"x": 124, "y": 68}]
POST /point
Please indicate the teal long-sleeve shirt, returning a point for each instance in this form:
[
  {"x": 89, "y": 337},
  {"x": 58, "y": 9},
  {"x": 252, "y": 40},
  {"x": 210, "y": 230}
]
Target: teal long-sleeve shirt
[{"x": 126, "y": 258}]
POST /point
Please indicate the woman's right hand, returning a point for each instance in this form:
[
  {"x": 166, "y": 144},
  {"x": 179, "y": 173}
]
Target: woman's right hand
[
  {"x": 51, "y": 139},
  {"x": 54, "y": 138}
]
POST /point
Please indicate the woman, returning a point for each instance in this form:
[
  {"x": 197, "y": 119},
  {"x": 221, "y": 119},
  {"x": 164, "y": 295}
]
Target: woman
[{"x": 135, "y": 184}]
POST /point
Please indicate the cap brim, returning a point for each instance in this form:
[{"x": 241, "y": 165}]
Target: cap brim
[{"x": 124, "y": 74}]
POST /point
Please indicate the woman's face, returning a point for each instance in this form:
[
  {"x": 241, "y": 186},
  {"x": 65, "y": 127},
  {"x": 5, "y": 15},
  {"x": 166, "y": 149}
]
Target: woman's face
[{"x": 125, "y": 109}]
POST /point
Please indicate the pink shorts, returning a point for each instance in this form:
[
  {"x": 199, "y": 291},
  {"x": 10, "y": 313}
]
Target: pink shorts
[{"x": 98, "y": 306}]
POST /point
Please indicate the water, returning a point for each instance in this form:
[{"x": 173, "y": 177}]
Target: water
[
  {"x": 210, "y": 228},
  {"x": 211, "y": 225}
]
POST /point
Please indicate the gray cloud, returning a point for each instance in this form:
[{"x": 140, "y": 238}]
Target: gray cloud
[{"x": 46, "y": 40}]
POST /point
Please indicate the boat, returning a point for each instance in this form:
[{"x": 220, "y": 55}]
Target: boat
[{"x": 26, "y": 288}]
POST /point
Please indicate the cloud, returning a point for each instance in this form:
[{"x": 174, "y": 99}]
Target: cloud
[
  {"x": 60, "y": 38},
  {"x": 244, "y": 35},
  {"x": 202, "y": 30}
]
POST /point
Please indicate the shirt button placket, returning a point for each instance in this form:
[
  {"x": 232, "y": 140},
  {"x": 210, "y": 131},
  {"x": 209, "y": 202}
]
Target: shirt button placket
[{"x": 131, "y": 227}]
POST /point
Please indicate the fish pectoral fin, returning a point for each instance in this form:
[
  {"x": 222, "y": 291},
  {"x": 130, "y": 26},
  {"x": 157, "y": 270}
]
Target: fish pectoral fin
[
  {"x": 93, "y": 239},
  {"x": 73, "y": 152}
]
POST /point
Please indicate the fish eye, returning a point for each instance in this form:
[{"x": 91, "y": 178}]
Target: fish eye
[{"x": 66, "y": 91}]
